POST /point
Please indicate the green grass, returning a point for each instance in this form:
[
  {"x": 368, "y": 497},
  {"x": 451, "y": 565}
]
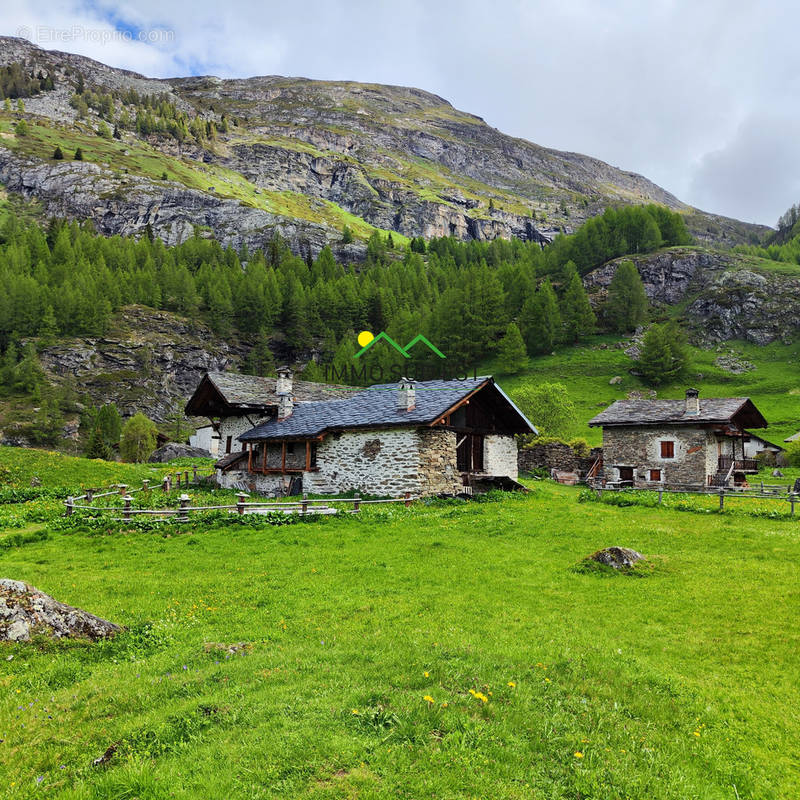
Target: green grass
[
  {"x": 774, "y": 385},
  {"x": 680, "y": 684}
]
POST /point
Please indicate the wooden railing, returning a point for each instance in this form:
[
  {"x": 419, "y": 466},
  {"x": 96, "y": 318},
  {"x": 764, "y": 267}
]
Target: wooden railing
[
  {"x": 242, "y": 506},
  {"x": 742, "y": 464}
]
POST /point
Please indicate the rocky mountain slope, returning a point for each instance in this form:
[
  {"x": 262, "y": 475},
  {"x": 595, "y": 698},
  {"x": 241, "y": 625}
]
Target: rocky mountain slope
[
  {"x": 304, "y": 158},
  {"x": 719, "y": 295}
]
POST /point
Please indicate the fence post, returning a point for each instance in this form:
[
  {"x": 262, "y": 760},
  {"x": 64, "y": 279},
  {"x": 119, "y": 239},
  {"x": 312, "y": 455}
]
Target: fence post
[
  {"x": 145, "y": 484},
  {"x": 356, "y": 503},
  {"x": 186, "y": 478},
  {"x": 792, "y": 500},
  {"x": 304, "y": 504},
  {"x": 69, "y": 503},
  {"x": 183, "y": 516},
  {"x": 194, "y": 471},
  {"x": 240, "y": 498},
  {"x": 123, "y": 489},
  {"x": 177, "y": 480},
  {"x": 408, "y": 499},
  {"x": 660, "y": 495},
  {"x": 722, "y": 498},
  {"x": 126, "y": 512},
  {"x": 165, "y": 484},
  {"x": 89, "y": 496}
]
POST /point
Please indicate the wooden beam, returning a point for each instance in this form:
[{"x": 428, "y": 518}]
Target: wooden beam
[
  {"x": 283, "y": 456},
  {"x": 463, "y": 401},
  {"x": 249, "y": 457},
  {"x": 264, "y": 459},
  {"x": 308, "y": 455}
]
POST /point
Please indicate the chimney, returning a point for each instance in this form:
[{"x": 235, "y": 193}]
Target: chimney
[
  {"x": 692, "y": 402},
  {"x": 406, "y": 395},
  {"x": 284, "y": 383},
  {"x": 283, "y": 388}
]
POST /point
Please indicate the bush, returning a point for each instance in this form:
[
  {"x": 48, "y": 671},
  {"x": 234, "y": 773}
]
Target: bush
[
  {"x": 138, "y": 438},
  {"x": 792, "y": 454}
]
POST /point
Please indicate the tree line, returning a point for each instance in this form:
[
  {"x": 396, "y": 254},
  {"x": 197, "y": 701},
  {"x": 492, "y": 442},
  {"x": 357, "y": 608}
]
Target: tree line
[{"x": 63, "y": 279}]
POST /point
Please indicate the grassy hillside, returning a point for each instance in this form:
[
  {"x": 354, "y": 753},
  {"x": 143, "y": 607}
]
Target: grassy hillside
[
  {"x": 446, "y": 650},
  {"x": 774, "y": 384}
]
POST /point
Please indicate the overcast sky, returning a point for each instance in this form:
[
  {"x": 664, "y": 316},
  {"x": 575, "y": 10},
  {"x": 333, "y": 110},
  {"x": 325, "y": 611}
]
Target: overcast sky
[{"x": 699, "y": 96}]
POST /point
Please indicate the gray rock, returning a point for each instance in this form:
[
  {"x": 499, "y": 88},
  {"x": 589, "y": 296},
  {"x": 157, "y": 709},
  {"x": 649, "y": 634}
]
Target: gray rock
[
  {"x": 776, "y": 473},
  {"x": 24, "y": 610},
  {"x": 615, "y": 380},
  {"x": 173, "y": 450},
  {"x": 617, "y": 557}
]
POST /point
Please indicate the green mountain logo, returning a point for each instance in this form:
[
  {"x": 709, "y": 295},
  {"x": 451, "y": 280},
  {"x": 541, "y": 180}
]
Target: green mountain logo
[{"x": 367, "y": 340}]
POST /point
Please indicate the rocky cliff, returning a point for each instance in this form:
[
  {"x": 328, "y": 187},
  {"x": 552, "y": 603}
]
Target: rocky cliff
[
  {"x": 304, "y": 158},
  {"x": 721, "y": 295}
]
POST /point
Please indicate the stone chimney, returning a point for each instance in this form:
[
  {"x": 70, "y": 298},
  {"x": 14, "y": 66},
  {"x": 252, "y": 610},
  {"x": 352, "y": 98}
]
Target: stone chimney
[
  {"x": 283, "y": 388},
  {"x": 406, "y": 395},
  {"x": 284, "y": 383},
  {"x": 692, "y": 402}
]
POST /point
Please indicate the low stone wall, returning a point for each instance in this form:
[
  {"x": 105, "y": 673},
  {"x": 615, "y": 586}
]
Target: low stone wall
[{"x": 556, "y": 456}]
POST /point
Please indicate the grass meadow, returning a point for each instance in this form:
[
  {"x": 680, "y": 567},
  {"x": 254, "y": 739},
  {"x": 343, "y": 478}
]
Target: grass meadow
[{"x": 447, "y": 650}]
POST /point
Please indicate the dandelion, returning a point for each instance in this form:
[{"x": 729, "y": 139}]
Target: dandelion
[
  {"x": 511, "y": 684},
  {"x": 354, "y": 711},
  {"x": 578, "y": 754},
  {"x": 697, "y": 733},
  {"x": 428, "y": 699},
  {"x": 444, "y": 705},
  {"x": 426, "y": 674}
]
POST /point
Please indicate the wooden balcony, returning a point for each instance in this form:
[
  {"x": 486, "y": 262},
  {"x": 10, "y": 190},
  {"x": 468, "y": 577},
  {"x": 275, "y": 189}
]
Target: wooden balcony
[{"x": 739, "y": 464}]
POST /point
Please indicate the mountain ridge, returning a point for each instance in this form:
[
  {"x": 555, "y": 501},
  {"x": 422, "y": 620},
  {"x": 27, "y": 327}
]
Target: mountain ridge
[{"x": 306, "y": 158}]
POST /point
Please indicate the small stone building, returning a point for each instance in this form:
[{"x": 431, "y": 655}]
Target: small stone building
[
  {"x": 651, "y": 443},
  {"x": 431, "y": 437}
]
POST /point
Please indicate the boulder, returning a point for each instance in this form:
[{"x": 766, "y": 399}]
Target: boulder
[
  {"x": 617, "y": 557},
  {"x": 173, "y": 450},
  {"x": 776, "y": 473},
  {"x": 24, "y": 611}
]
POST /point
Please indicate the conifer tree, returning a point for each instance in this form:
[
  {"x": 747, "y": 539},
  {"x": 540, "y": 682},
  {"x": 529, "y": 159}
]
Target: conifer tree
[
  {"x": 664, "y": 355},
  {"x": 511, "y": 355},
  {"x": 576, "y": 311},
  {"x": 58, "y": 154},
  {"x": 540, "y": 320},
  {"x": 626, "y": 306}
]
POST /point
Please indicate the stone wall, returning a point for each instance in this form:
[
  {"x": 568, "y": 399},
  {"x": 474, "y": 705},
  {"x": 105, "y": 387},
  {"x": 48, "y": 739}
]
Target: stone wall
[
  {"x": 438, "y": 467},
  {"x": 371, "y": 462},
  {"x": 271, "y": 485},
  {"x": 500, "y": 455},
  {"x": 233, "y": 427},
  {"x": 556, "y": 455},
  {"x": 640, "y": 448}
]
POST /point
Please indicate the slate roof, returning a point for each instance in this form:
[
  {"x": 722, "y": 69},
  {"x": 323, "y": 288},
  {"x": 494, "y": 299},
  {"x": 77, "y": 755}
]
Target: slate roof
[
  {"x": 673, "y": 412},
  {"x": 375, "y": 407},
  {"x": 252, "y": 393}
]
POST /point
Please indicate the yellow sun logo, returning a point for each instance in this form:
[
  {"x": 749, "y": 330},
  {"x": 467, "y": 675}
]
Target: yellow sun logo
[{"x": 364, "y": 338}]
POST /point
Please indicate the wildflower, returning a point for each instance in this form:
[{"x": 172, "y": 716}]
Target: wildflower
[
  {"x": 697, "y": 733},
  {"x": 426, "y": 674},
  {"x": 512, "y": 684},
  {"x": 578, "y": 754},
  {"x": 428, "y": 699},
  {"x": 354, "y": 711},
  {"x": 444, "y": 705}
]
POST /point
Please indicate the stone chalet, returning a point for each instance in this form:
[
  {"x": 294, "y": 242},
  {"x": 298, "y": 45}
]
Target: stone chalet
[
  {"x": 648, "y": 443},
  {"x": 431, "y": 437}
]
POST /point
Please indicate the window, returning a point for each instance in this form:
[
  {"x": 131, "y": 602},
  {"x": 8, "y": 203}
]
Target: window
[
  {"x": 290, "y": 448},
  {"x": 228, "y": 443},
  {"x": 655, "y": 475},
  {"x": 667, "y": 449}
]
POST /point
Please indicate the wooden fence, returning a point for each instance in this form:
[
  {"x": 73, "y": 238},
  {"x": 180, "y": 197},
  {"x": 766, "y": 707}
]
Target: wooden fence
[
  {"x": 181, "y": 514},
  {"x": 760, "y": 491}
]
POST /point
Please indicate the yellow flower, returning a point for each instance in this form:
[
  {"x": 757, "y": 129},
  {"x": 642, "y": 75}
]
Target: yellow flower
[
  {"x": 512, "y": 684},
  {"x": 697, "y": 733},
  {"x": 444, "y": 705},
  {"x": 428, "y": 699},
  {"x": 426, "y": 674},
  {"x": 354, "y": 710},
  {"x": 578, "y": 754}
]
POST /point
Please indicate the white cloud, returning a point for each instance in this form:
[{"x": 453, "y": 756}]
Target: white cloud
[{"x": 656, "y": 88}]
